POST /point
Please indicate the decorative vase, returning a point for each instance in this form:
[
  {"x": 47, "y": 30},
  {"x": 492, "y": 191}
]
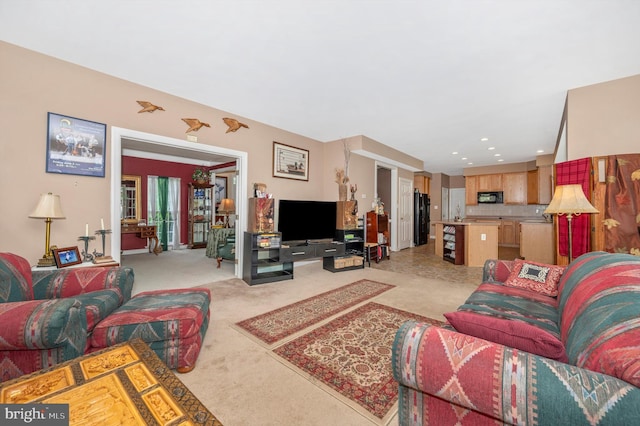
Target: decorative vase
[{"x": 342, "y": 192}]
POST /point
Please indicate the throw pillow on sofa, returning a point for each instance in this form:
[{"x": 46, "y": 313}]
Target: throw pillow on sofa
[
  {"x": 511, "y": 316},
  {"x": 537, "y": 277}
]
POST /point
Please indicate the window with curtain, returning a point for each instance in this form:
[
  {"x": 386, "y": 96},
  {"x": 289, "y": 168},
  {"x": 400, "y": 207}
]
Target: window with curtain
[{"x": 163, "y": 207}]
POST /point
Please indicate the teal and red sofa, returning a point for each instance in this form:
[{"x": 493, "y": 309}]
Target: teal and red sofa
[{"x": 534, "y": 355}]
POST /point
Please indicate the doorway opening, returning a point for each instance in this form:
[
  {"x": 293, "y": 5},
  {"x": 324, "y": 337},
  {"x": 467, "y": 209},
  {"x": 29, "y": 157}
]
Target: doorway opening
[
  {"x": 386, "y": 184},
  {"x": 123, "y": 139}
]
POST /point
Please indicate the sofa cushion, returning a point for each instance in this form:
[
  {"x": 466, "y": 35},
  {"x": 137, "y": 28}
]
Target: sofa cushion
[
  {"x": 15, "y": 278},
  {"x": 99, "y": 304},
  {"x": 534, "y": 276},
  {"x": 511, "y": 316},
  {"x": 600, "y": 320}
]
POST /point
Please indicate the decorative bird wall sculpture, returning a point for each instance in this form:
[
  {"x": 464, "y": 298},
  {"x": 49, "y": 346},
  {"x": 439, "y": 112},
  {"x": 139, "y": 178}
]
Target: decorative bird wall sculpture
[
  {"x": 194, "y": 124},
  {"x": 233, "y": 124},
  {"x": 148, "y": 107}
]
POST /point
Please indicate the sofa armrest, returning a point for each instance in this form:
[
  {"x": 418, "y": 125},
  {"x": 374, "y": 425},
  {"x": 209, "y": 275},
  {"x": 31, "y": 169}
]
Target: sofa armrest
[
  {"x": 496, "y": 271},
  {"x": 44, "y": 324},
  {"x": 72, "y": 282},
  {"x": 512, "y": 386}
]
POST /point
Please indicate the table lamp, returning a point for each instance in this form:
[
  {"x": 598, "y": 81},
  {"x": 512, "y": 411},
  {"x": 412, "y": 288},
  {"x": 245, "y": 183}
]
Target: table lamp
[
  {"x": 569, "y": 200},
  {"x": 48, "y": 208},
  {"x": 227, "y": 207}
]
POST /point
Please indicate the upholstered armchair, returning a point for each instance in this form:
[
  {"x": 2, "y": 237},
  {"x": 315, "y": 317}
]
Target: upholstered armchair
[
  {"x": 47, "y": 316},
  {"x": 227, "y": 249}
]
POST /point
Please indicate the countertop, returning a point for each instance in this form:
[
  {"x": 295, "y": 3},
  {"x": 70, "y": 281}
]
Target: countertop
[
  {"x": 489, "y": 222},
  {"x": 521, "y": 219}
]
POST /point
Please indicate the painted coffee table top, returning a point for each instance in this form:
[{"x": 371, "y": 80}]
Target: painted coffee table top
[{"x": 122, "y": 385}]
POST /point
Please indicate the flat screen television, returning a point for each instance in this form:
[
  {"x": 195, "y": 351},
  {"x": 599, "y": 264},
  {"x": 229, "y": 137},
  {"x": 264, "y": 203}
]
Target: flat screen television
[{"x": 300, "y": 220}]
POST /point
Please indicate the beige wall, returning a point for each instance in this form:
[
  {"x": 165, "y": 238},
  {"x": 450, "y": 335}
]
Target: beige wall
[
  {"x": 33, "y": 84},
  {"x": 602, "y": 119}
]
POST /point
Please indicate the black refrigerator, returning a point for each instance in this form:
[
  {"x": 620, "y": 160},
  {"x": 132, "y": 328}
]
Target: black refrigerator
[{"x": 421, "y": 205}]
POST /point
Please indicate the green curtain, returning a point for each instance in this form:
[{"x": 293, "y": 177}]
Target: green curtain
[{"x": 163, "y": 195}]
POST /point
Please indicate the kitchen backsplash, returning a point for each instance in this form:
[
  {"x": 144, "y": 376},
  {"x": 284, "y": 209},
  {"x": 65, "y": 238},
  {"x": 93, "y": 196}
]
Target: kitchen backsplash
[{"x": 506, "y": 210}]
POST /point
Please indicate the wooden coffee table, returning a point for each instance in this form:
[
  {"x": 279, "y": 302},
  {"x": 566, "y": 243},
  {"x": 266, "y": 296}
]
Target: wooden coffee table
[{"x": 125, "y": 384}]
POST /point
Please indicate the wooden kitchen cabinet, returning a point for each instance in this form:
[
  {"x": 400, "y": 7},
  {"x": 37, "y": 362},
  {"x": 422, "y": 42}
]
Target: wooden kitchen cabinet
[
  {"x": 515, "y": 188},
  {"x": 539, "y": 184},
  {"x": 471, "y": 190},
  {"x": 536, "y": 242},
  {"x": 422, "y": 184},
  {"x": 509, "y": 233},
  {"x": 545, "y": 184},
  {"x": 492, "y": 182}
]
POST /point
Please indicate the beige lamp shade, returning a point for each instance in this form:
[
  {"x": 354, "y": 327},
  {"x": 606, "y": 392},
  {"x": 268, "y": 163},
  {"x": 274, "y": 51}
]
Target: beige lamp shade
[
  {"x": 227, "y": 206},
  {"x": 569, "y": 199},
  {"x": 48, "y": 207}
]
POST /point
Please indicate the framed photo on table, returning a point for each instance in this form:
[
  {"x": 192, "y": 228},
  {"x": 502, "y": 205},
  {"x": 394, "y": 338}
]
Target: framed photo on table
[
  {"x": 75, "y": 146},
  {"x": 67, "y": 256},
  {"x": 290, "y": 162}
]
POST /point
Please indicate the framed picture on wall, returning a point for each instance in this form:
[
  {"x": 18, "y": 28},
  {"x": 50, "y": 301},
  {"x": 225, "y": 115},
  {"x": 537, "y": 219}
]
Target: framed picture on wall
[
  {"x": 75, "y": 146},
  {"x": 220, "y": 188},
  {"x": 290, "y": 162}
]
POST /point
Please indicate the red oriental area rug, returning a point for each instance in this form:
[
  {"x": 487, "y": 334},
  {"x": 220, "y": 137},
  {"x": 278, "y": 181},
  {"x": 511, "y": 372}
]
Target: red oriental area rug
[
  {"x": 351, "y": 355},
  {"x": 276, "y": 325}
]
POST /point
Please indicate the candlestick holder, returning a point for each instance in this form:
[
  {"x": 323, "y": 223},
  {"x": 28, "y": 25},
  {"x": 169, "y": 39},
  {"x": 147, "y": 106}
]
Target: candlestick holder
[
  {"x": 102, "y": 233},
  {"x": 86, "y": 256}
]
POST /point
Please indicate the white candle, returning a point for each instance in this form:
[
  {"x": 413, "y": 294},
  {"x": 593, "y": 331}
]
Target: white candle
[
  {"x": 102, "y": 223},
  {"x": 86, "y": 230}
]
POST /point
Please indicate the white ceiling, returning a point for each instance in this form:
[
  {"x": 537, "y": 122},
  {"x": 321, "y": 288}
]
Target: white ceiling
[{"x": 425, "y": 77}]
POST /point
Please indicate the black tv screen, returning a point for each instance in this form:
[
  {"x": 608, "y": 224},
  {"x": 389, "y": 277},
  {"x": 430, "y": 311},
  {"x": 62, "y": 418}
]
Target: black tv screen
[{"x": 300, "y": 220}]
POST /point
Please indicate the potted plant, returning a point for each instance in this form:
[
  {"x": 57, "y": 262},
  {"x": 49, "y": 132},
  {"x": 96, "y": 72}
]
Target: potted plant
[{"x": 200, "y": 175}]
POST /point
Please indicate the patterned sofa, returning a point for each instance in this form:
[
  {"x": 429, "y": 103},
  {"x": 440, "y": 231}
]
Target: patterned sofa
[
  {"x": 47, "y": 316},
  {"x": 511, "y": 355}
]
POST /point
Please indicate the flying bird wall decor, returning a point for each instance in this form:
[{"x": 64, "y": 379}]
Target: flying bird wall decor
[
  {"x": 233, "y": 124},
  {"x": 148, "y": 107},
  {"x": 194, "y": 124}
]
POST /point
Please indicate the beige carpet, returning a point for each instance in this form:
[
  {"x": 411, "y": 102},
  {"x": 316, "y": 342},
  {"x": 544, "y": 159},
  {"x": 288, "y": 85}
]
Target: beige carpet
[{"x": 243, "y": 385}]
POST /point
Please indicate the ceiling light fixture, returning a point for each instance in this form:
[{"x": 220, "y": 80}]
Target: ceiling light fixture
[
  {"x": 497, "y": 155},
  {"x": 540, "y": 151},
  {"x": 484, "y": 139},
  {"x": 455, "y": 153},
  {"x": 491, "y": 148},
  {"x": 500, "y": 160}
]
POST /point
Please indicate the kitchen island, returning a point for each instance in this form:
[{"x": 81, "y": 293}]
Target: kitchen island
[{"x": 476, "y": 241}]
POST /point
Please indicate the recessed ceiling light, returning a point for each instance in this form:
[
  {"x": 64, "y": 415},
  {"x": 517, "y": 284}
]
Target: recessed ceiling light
[
  {"x": 540, "y": 151},
  {"x": 469, "y": 163},
  {"x": 500, "y": 159},
  {"x": 464, "y": 158},
  {"x": 455, "y": 153},
  {"x": 484, "y": 139},
  {"x": 497, "y": 155},
  {"x": 491, "y": 148}
]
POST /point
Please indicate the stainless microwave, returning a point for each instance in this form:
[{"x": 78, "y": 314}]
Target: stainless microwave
[{"x": 490, "y": 197}]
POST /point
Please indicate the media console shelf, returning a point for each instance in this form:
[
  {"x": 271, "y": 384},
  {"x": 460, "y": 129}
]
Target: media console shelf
[
  {"x": 268, "y": 259},
  {"x": 353, "y": 255},
  {"x": 264, "y": 262}
]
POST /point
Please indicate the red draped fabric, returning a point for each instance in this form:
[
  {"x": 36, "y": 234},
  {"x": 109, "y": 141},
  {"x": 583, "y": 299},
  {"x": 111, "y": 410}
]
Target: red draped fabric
[{"x": 567, "y": 173}]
